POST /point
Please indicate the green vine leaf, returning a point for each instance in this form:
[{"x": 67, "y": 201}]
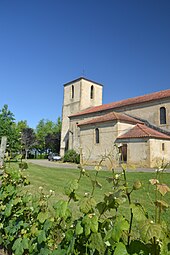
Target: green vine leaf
[
  {"x": 164, "y": 247},
  {"x": 120, "y": 249},
  {"x": 121, "y": 225},
  {"x": 61, "y": 208},
  {"x": 8, "y": 209},
  {"x": 79, "y": 228},
  {"x": 102, "y": 207},
  {"x": 149, "y": 230},
  {"x": 138, "y": 212},
  {"x": 86, "y": 223},
  {"x": 96, "y": 243},
  {"x": 25, "y": 243},
  {"x": 18, "y": 247},
  {"x": 137, "y": 247},
  {"x": 110, "y": 200},
  {"x": 41, "y": 236},
  {"x": 42, "y": 216},
  {"x": 59, "y": 252},
  {"x": 94, "y": 223},
  {"x": 45, "y": 251},
  {"x": 71, "y": 186},
  {"x": 90, "y": 223},
  {"x": 34, "y": 229},
  {"x": 87, "y": 205}
]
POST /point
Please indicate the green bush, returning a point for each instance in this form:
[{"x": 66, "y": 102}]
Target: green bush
[
  {"x": 42, "y": 156},
  {"x": 23, "y": 165},
  {"x": 72, "y": 156}
]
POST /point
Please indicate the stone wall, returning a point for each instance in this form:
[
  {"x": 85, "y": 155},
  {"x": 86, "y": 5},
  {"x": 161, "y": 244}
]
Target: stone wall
[
  {"x": 151, "y": 112},
  {"x": 108, "y": 133},
  {"x": 73, "y": 104},
  {"x": 159, "y": 152}
]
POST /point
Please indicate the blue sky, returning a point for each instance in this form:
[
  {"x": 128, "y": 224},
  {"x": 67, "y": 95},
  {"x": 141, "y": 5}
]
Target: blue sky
[{"x": 123, "y": 44}]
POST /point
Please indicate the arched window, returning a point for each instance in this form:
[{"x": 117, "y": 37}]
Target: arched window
[
  {"x": 92, "y": 92},
  {"x": 163, "y": 146},
  {"x": 97, "y": 135},
  {"x": 72, "y": 91},
  {"x": 162, "y": 115}
]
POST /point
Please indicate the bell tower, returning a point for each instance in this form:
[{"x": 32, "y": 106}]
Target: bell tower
[{"x": 79, "y": 94}]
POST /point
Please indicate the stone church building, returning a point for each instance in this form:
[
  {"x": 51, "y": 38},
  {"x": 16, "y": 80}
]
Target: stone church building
[{"x": 139, "y": 126}]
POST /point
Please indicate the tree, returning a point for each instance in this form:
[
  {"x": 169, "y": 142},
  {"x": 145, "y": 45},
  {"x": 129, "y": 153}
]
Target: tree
[
  {"x": 8, "y": 128},
  {"x": 21, "y": 125},
  {"x": 52, "y": 142},
  {"x": 48, "y": 135},
  {"x": 28, "y": 139}
]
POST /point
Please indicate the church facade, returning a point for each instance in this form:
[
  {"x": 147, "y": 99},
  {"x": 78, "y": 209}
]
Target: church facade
[{"x": 135, "y": 130}]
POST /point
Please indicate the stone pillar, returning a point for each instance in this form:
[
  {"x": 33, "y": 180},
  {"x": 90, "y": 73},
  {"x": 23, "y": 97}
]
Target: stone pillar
[{"x": 2, "y": 150}]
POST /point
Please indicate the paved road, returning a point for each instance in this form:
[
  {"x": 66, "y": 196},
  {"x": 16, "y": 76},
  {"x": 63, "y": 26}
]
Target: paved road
[{"x": 46, "y": 163}]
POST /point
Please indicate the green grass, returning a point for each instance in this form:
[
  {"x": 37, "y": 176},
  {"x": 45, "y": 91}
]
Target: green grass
[{"x": 56, "y": 179}]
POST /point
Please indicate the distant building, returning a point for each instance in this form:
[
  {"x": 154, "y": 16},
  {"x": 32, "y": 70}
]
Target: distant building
[{"x": 139, "y": 126}]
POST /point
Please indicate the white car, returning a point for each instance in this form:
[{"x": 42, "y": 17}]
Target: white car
[{"x": 53, "y": 157}]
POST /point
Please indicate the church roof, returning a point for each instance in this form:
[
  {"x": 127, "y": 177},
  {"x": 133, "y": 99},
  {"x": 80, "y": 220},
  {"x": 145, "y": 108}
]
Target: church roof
[
  {"x": 80, "y": 78},
  {"x": 127, "y": 102},
  {"x": 110, "y": 117},
  {"x": 142, "y": 131}
]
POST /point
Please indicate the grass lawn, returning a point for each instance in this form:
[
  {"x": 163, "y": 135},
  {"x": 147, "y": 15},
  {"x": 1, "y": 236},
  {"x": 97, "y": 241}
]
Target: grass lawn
[{"x": 56, "y": 179}]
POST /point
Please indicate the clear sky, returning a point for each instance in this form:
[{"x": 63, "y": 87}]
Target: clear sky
[{"x": 123, "y": 44}]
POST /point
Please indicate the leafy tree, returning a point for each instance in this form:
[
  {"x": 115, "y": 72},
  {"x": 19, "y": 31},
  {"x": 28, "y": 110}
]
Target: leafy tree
[
  {"x": 28, "y": 139},
  {"x": 48, "y": 135},
  {"x": 52, "y": 142},
  {"x": 8, "y": 128},
  {"x": 21, "y": 125},
  {"x": 57, "y": 126}
]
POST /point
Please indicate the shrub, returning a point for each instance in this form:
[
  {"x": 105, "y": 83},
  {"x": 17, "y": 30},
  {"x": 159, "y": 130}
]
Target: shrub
[
  {"x": 72, "y": 156},
  {"x": 23, "y": 165},
  {"x": 42, "y": 156}
]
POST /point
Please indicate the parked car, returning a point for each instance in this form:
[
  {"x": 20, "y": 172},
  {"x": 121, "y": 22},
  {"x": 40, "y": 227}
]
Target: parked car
[{"x": 53, "y": 157}]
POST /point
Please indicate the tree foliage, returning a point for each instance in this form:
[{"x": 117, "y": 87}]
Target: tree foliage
[
  {"x": 8, "y": 128},
  {"x": 20, "y": 136},
  {"x": 28, "y": 139},
  {"x": 48, "y": 135}
]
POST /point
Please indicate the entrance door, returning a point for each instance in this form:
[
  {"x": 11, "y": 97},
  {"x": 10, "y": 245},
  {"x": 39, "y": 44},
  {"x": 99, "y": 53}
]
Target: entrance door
[{"x": 123, "y": 151}]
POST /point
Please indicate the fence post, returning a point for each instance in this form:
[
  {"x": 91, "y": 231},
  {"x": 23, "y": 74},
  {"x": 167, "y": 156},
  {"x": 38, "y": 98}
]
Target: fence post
[{"x": 2, "y": 150}]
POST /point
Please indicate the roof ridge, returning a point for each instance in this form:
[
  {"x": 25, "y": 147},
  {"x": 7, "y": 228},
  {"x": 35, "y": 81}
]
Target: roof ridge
[
  {"x": 116, "y": 115},
  {"x": 150, "y": 97},
  {"x": 142, "y": 127}
]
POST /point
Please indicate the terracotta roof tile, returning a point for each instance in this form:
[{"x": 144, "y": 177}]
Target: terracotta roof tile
[
  {"x": 142, "y": 131},
  {"x": 110, "y": 117},
  {"x": 127, "y": 102}
]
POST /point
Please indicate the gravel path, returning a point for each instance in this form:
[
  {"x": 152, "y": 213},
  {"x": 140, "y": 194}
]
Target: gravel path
[
  {"x": 59, "y": 164},
  {"x": 47, "y": 163}
]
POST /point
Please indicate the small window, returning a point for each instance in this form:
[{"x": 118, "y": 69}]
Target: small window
[
  {"x": 72, "y": 91},
  {"x": 163, "y": 146},
  {"x": 162, "y": 115},
  {"x": 92, "y": 92},
  {"x": 97, "y": 135}
]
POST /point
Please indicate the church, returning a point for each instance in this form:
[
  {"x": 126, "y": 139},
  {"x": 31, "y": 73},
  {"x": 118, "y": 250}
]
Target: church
[{"x": 135, "y": 131}]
